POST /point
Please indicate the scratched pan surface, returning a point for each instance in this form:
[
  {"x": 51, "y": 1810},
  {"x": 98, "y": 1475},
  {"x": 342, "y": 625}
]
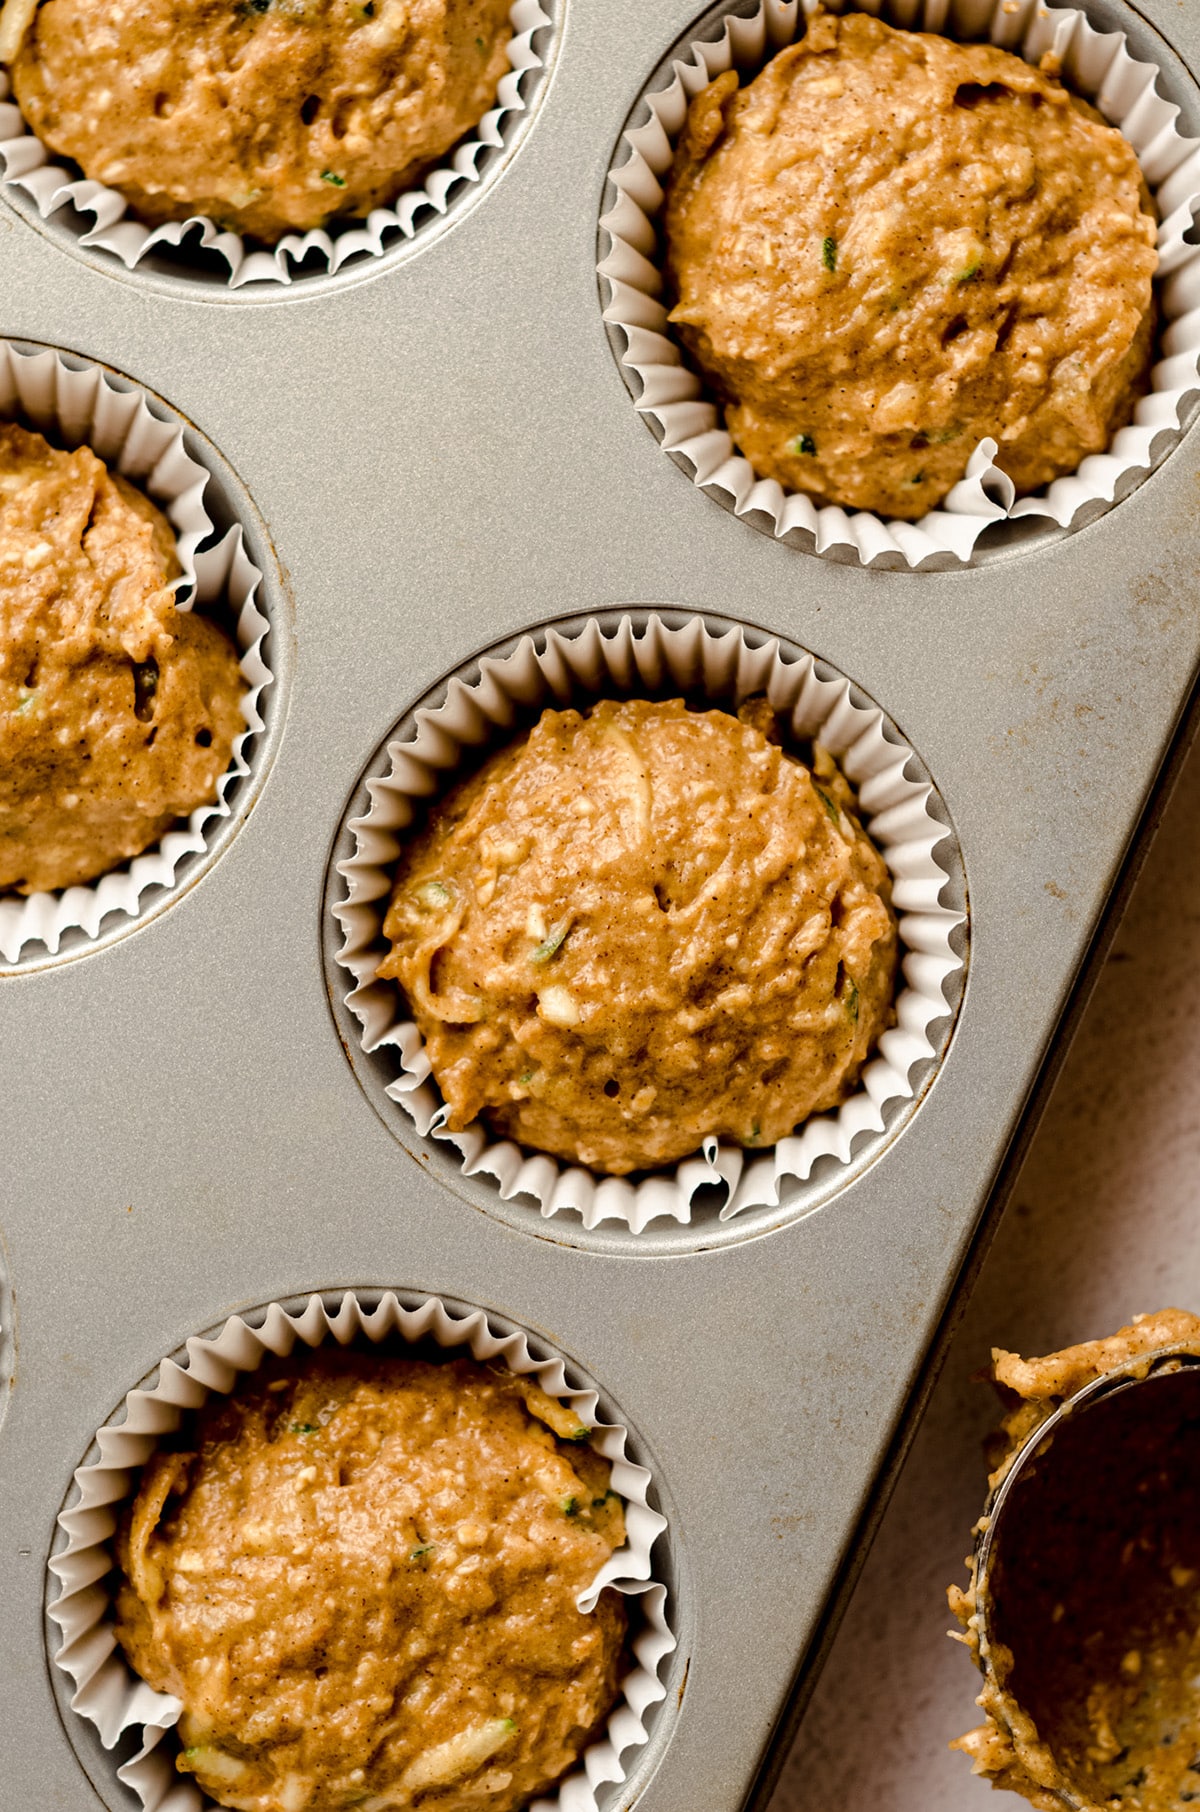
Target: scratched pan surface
[{"x": 444, "y": 454}]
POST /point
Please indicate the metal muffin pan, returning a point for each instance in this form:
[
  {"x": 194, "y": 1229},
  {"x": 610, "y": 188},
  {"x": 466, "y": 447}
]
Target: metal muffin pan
[{"x": 445, "y": 455}]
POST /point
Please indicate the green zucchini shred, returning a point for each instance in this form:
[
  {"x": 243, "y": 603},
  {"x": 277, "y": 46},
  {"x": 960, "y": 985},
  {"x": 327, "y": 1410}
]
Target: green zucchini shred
[
  {"x": 830, "y": 807},
  {"x": 434, "y": 894},
  {"x": 551, "y": 945}
]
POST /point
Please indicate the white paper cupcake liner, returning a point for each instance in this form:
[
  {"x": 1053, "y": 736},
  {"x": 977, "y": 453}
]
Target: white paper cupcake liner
[
  {"x": 691, "y": 428},
  {"x": 556, "y": 669},
  {"x": 26, "y": 163},
  {"x": 107, "y": 1691},
  {"x": 75, "y": 403}
]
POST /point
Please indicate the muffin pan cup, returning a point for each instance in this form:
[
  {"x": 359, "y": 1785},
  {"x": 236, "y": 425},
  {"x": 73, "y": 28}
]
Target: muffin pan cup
[
  {"x": 76, "y": 403},
  {"x": 442, "y": 461},
  {"x": 690, "y": 426},
  {"x": 721, "y": 667},
  {"x": 63, "y": 196},
  {"x": 111, "y": 1696}
]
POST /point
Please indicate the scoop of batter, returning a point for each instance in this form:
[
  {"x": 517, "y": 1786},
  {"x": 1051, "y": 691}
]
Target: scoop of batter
[
  {"x": 640, "y": 926},
  {"x": 267, "y": 115},
  {"x": 360, "y": 1580},
  {"x": 117, "y": 711},
  {"x": 890, "y": 246}
]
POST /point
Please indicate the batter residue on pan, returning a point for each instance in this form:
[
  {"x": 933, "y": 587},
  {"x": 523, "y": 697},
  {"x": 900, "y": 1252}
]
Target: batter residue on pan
[
  {"x": 644, "y": 925},
  {"x": 118, "y": 712},
  {"x": 360, "y": 1579},
  {"x": 1113, "y": 1576},
  {"x": 889, "y": 246},
  {"x": 266, "y": 115}
]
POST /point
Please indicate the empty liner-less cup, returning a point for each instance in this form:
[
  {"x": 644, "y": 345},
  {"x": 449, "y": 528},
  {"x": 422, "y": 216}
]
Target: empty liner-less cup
[{"x": 1084, "y": 1610}]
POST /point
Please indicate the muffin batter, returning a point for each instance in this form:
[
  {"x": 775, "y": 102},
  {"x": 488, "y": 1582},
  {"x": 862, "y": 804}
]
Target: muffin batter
[
  {"x": 1115, "y": 1566},
  {"x": 889, "y": 246},
  {"x": 266, "y": 115},
  {"x": 360, "y": 1579},
  {"x": 641, "y": 926},
  {"x": 117, "y": 711}
]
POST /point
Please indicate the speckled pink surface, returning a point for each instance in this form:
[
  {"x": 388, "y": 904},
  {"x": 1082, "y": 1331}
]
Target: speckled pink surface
[{"x": 1104, "y": 1224}]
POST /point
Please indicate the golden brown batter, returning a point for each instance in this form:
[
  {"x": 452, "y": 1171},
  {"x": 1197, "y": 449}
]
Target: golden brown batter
[
  {"x": 117, "y": 712},
  {"x": 641, "y": 926},
  {"x": 889, "y": 246},
  {"x": 267, "y": 115},
  {"x": 1111, "y": 1571},
  {"x": 360, "y": 1579}
]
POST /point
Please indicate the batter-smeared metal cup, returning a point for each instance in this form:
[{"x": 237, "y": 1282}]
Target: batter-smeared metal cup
[{"x": 1084, "y": 1611}]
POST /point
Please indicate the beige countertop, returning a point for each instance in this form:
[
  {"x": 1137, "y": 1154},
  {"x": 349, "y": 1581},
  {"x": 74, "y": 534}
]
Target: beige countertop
[{"x": 1103, "y": 1225}]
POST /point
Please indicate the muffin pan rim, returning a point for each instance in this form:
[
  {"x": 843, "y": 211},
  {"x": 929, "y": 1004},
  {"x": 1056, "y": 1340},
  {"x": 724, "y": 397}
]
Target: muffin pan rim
[
  {"x": 9, "y": 1336},
  {"x": 829, "y": 1175}
]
